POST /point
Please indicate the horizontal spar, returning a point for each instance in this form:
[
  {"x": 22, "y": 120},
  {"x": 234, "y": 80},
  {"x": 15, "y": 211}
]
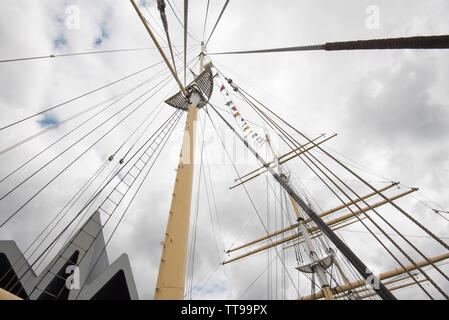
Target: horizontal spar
[
  {"x": 316, "y": 228},
  {"x": 367, "y": 288},
  {"x": 382, "y": 276},
  {"x": 284, "y": 155},
  {"x": 297, "y": 154},
  {"x": 404, "y": 285},
  {"x": 322, "y": 214}
]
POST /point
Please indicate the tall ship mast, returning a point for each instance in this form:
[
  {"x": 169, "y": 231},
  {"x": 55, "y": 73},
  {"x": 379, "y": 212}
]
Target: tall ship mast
[{"x": 254, "y": 198}]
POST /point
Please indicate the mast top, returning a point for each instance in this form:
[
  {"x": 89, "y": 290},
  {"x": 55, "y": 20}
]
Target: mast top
[{"x": 201, "y": 87}]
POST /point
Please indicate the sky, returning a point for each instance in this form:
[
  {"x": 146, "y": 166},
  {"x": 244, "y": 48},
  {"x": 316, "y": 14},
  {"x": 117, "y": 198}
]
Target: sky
[{"x": 389, "y": 109}]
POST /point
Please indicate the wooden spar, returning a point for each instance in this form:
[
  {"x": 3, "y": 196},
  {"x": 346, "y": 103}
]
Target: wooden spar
[
  {"x": 367, "y": 288},
  {"x": 142, "y": 18},
  {"x": 280, "y": 162},
  {"x": 404, "y": 285},
  {"x": 316, "y": 228},
  {"x": 299, "y": 153},
  {"x": 288, "y": 153},
  {"x": 343, "y": 224},
  {"x": 382, "y": 276},
  {"x": 304, "y": 145},
  {"x": 323, "y": 214},
  {"x": 317, "y": 233}
]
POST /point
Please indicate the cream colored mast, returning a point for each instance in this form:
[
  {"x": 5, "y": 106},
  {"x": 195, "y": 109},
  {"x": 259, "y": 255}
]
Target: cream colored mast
[
  {"x": 172, "y": 270},
  {"x": 316, "y": 266}
]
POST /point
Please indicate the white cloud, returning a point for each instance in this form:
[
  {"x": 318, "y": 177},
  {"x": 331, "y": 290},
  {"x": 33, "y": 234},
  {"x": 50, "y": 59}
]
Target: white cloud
[{"x": 389, "y": 108}]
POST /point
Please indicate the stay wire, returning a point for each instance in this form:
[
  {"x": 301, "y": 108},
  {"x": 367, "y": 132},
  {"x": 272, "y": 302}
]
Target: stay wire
[
  {"x": 247, "y": 193},
  {"x": 125, "y": 93},
  {"x": 159, "y": 131},
  {"x": 162, "y": 107},
  {"x": 84, "y": 136},
  {"x": 91, "y": 131},
  {"x": 111, "y": 175},
  {"x": 257, "y": 278},
  {"x": 79, "y": 192},
  {"x": 167, "y": 137},
  {"x": 74, "y": 54},
  {"x": 263, "y": 162},
  {"x": 85, "y": 151},
  {"x": 218, "y": 20},
  {"x": 161, "y": 8},
  {"x": 213, "y": 198},
  {"x": 156, "y": 22},
  {"x": 383, "y": 232},
  {"x": 408, "y": 216},
  {"x": 56, "y": 125},
  {"x": 391, "y": 240},
  {"x": 119, "y": 97},
  {"x": 205, "y": 18},
  {"x": 30, "y": 278},
  {"x": 186, "y": 16},
  {"x": 99, "y": 192},
  {"x": 180, "y": 22},
  {"x": 80, "y": 96},
  {"x": 195, "y": 221}
]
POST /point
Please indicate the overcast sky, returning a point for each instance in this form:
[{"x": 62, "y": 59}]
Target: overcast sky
[{"x": 389, "y": 109}]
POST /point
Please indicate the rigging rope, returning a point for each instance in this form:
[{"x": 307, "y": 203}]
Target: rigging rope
[
  {"x": 218, "y": 20},
  {"x": 389, "y": 224},
  {"x": 78, "y": 97},
  {"x": 186, "y": 16},
  {"x": 75, "y": 54},
  {"x": 111, "y": 174},
  {"x": 195, "y": 224},
  {"x": 161, "y": 8},
  {"x": 90, "y": 147},
  {"x": 119, "y": 97},
  {"x": 180, "y": 22},
  {"x": 333, "y": 182},
  {"x": 166, "y": 138},
  {"x": 172, "y": 117},
  {"x": 98, "y": 126},
  {"x": 246, "y": 190},
  {"x": 57, "y": 125},
  {"x": 361, "y": 267},
  {"x": 77, "y": 194},
  {"x": 205, "y": 18}
]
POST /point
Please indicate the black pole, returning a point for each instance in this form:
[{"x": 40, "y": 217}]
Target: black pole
[
  {"x": 430, "y": 42},
  {"x": 425, "y": 42}
]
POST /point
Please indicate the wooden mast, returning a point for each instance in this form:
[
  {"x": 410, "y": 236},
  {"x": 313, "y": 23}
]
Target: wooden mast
[{"x": 172, "y": 270}]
